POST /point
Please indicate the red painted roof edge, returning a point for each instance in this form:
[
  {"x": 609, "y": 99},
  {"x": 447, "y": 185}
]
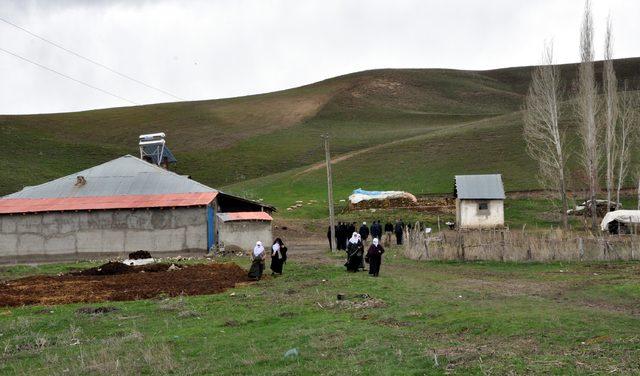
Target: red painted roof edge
[
  {"x": 247, "y": 216},
  {"x": 37, "y": 205}
]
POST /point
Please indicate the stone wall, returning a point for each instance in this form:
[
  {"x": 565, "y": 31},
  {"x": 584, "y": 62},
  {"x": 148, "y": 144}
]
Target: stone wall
[{"x": 91, "y": 233}]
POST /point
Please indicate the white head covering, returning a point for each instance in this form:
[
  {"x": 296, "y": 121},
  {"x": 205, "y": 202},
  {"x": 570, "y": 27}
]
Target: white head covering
[
  {"x": 354, "y": 238},
  {"x": 258, "y": 249},
  {"x": 375, "y": 241},
  {"x": 275, "y": 250}
]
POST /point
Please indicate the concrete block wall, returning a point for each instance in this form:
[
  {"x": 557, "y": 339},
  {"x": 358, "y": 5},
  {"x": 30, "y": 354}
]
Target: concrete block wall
[
  {"x": 245, "y": 234},
  {"x": 102, "y": 232},
  {"x": 469, "y": 216}
]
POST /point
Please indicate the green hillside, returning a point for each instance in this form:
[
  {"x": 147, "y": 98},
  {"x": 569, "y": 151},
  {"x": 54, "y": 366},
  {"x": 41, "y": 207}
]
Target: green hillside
[{"x": 409, "y": 129}]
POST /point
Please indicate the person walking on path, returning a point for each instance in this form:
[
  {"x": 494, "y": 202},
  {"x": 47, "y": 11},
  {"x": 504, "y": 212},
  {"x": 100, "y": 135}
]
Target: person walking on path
[
  {"x": 354, "y": 253},
  {"x": 364, "y": 232},
  {"x": 388, "y": 230},
  {"x": 399, "y": 230},
  {"x": 343, "y": 236},
  {"x": 257, "y": 262},
  {"x": 376, "y": 230},
  {"x": 374, "y": 257},
  {"x": 278, "y": 256}
]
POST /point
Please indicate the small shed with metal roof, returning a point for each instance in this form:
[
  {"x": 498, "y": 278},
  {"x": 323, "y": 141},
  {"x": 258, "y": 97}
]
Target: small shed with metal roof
[
  {"x": 479, "y": 201},
  {"x": 122, "y": 206}
]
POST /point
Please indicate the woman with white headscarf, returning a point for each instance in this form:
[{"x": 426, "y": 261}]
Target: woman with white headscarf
[
  {"x": 354, "y": 253},
  {"x": 257, "y": 262},
  {"x": 374, "y": 257},
  {"x": 278, "y": 256}
]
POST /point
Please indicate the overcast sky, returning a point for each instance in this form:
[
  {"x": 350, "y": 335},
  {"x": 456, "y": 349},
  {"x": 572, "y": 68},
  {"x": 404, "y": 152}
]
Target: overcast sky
[{"x": 213, "y": 49}]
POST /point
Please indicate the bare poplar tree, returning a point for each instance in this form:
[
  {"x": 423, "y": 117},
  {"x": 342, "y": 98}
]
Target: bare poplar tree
[
  {"x": 628, "y": 124},
  {"x": 545, "y": 142},
  {"x": 587, "y": 108},
  {"x": 610, "y": 86}
]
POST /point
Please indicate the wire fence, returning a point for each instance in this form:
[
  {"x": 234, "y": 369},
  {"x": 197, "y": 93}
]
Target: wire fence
[{"x": 507, "y": 245}]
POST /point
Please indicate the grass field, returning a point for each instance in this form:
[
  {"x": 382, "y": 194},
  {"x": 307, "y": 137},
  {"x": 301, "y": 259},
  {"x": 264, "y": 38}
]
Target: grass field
[{"x": 422, "y": 318}]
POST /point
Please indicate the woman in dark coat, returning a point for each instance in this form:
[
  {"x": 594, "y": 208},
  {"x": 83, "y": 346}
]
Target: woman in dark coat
[
  {"x": 374, "y": 257},
  {"x": 278, "y": 256},
  {"x": 355, "y": 252},
  {"x": 257, "y": 262}
]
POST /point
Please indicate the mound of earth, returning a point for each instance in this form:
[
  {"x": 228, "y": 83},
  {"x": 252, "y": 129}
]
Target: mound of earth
[
  {"x": 137, "y": 282},
  {"x": 115, "y": 268},
  {"x": 139, "y": 255}
]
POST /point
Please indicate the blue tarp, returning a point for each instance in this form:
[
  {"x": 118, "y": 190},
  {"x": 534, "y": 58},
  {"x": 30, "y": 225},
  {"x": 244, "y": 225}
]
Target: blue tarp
[{"x": 368, "y": 193}]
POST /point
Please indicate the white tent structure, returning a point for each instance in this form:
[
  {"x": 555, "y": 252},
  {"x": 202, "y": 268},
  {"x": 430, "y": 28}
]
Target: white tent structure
[{"x": 621, "y": 216}]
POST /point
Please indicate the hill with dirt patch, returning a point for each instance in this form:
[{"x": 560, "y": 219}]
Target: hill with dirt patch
[{"x": 409, "y": 129}]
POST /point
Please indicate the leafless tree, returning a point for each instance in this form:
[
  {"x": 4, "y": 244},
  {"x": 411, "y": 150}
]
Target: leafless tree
[
  {"x": 545, "y": 141},
  {"x": 628, "y": 124},
  {"x": 610, "y": 86},
  {"x": 587, "y": 109}
]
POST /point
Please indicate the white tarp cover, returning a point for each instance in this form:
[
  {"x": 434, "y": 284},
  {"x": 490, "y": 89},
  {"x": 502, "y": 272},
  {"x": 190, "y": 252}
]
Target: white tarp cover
[
  {"x": 360, "y": 195},
  {"x": 138, "y": 261},
  {"x": 622, "y": 216}
]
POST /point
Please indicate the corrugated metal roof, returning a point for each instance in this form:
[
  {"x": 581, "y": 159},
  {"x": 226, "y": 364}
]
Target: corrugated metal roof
[
  {"x": 126, "y": 175},
  {"x": 35, "y": 205},
  {"x": 245, "y": 216},
  {"x": 479, "y": 187}
]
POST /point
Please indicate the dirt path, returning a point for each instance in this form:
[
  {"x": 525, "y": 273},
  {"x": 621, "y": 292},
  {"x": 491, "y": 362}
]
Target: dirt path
[
  {"x": 440, "y": 131},
  {"x": 310, "y": 253}
]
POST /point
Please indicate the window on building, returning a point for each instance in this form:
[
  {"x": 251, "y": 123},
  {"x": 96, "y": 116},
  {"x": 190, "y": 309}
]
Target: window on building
[{"x": 483, "y": 207}]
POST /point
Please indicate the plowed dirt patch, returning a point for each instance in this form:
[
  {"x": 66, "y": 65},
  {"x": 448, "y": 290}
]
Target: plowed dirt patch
[{"x": 68, "y": 288}]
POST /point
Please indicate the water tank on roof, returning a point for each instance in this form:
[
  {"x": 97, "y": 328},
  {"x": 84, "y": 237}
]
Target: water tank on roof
[{"x": 153, "y": 149}]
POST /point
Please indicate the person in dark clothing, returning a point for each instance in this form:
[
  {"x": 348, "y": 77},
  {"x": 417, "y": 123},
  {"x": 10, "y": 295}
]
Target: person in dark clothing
[
  {"x": 364, "y": 232},
  {"x": 257, "y": 262},
  {"x": 278, "y": 256},
  {"x": 399, "y": 230},
  {"x": 342, "y": 236},
  {"x": 376, "y": 230},
  {"x": 388, "y": 230},
  {"x": 374, "y": 257},
  {"x": 352, "y": 228},
  {"x": 355, "y": 251}
]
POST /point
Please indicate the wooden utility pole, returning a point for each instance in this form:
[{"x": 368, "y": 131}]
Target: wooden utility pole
[{"x": 332, "y": 221}]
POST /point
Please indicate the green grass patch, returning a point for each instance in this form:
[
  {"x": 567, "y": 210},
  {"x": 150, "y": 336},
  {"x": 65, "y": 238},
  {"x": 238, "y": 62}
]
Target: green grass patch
[{"x": 472, "y": 317}]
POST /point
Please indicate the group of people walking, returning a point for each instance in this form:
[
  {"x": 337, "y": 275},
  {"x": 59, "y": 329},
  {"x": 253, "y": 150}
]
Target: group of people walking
[
  {"x": 344, "y": 230},
  {"x": 259, "y": 256},
  {"x": 354, "y": 246},
  {"x": 356, "y": 256}
]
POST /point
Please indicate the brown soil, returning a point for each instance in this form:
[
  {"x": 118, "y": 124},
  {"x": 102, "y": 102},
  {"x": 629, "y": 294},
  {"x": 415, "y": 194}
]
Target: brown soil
[
  {"x": 132, "y": 284},
  {"x": 139, "y": 255}
]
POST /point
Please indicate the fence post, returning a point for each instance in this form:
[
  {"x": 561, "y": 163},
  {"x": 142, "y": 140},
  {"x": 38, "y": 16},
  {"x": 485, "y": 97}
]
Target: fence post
[
  {"x": 580, "y": 248},
  {"x": 502, "y": 246},
  {"x": 462, "y": 247}
]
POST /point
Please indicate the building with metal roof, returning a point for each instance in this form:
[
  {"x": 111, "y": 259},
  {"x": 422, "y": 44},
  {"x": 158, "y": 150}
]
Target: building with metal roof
[
  {"x": 479, "y": 201},
  {"x": 122, "y": 206}
]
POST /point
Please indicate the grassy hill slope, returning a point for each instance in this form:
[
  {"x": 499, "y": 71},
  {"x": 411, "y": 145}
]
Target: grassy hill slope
[{"x": 406, "y": 129}]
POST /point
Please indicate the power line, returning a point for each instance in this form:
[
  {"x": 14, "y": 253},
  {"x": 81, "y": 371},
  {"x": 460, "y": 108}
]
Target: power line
[
  {"x": 66, "y": 76},
  {"x": 90, "y": 60}
]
